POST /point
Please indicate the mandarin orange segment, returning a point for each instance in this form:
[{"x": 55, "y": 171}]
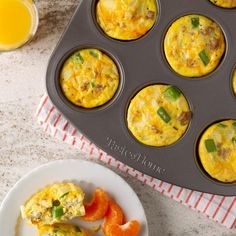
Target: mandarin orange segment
[
  {"x": 114, "y": 215},
  {"x": 131, "y": 228},
  {"x": 97, "y": 208}
]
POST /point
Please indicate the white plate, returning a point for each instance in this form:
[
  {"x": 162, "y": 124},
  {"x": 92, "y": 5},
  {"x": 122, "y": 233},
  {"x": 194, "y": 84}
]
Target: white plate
[{"x": 87, "y": 174}]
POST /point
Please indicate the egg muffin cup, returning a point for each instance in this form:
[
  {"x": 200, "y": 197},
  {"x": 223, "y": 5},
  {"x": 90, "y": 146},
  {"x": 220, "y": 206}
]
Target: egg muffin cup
[
  {"x": 126, "y": 20},
  {"x": 194, "y": 45},
  {"x": 142, "y": 63},
  {"x": 89, "y": 78},
  {"x": 216, "y": 151},
  {"x": 224, "y": 3}
]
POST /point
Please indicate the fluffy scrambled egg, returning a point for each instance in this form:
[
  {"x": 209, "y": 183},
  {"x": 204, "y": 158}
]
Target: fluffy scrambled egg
[
  {"x": 54, "y": 204},
  {"x": 89, "y": 78},
  {"x": 126, "y": 19},
  {"x": 225, "y": 3},
  {"x": 234, "y": 81},
  {"x": 217, "y": 151},
  {"x": 194, "y": 45},
  {"x": 62, "y": 230},
  {"x": 158, "y": 115}
]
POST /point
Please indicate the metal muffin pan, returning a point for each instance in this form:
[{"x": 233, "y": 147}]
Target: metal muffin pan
[{"x": 142, "y": 62}]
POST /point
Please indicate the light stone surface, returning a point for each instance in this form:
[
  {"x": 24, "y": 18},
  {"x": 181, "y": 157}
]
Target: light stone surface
[{"x": 23, "y": 144}]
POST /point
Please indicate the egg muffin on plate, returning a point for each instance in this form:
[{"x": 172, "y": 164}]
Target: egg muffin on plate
[
  {"x": 62, "y": 230},
  {"x": 158, "y": 115},
  {"x": 54, "y": 204},
  {"x": 126, "y": 19},
  {"x": 224, "y": 3},
  {"x": 194, "y": 45},
  {"x": 89, "y": 78},
  {"x": 217, "y": 151}
]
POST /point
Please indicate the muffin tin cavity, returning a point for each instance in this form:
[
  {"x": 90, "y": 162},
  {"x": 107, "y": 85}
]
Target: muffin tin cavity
[
  {"x": 217, "y": 151},
  {"x": 158, "y": 115},
  {"x": 125, "y": 19},
  {"x": 224, "y": 3},
  {"x": 194, "y": 45},
  {"x": 89, "y": 78}
]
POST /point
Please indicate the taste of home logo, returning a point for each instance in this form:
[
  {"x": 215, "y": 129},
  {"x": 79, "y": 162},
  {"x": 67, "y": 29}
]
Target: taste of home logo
[{"x": 138, "y": 157}]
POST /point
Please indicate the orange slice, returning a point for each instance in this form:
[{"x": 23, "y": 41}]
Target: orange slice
[
  {"x": 131, "y": 228},
  {"x": 97, "y": 208},
  {"x": 114, "y": 215}
]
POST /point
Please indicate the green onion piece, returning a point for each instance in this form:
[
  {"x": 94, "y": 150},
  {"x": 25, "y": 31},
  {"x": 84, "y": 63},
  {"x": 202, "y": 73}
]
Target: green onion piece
[
  {"x": 234, "y": 123},
  {"x": 78, "y": 58},
  {"x": 63, "y": 195},
  {"x": 57, "y": 212},
  {"x": 163, "y": 114},
  {"x": 94, "y": 54},
  {"x": 172, "y": 93},
  {"x": 210, "y": 145},
  {"x": 222, "y": 125},
  {"x": 234, "y": 140},
  {"x": 93, "y": 84},
  {"x": 205, "y": 59},
  {"x": 195, "y": 22},
  {"x": 77, "y": 228}
]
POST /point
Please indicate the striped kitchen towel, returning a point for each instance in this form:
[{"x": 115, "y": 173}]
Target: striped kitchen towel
[{"x": 220, "y": 209}]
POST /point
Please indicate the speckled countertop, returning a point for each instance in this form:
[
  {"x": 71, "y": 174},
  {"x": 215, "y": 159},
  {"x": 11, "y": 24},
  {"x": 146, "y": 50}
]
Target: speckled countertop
[{"x": 23, "y": 144}]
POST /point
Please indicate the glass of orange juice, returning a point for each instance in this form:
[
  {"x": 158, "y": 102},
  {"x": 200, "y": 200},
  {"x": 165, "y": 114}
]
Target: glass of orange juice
[{"x": 18, "y": 23}]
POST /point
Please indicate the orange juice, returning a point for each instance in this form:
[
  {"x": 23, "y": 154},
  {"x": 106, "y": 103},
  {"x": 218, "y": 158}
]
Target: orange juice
[{"x": 18, "y": 23}]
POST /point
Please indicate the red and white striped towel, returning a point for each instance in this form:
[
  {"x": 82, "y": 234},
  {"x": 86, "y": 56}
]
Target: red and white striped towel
[{"x": 220, "y": 209}]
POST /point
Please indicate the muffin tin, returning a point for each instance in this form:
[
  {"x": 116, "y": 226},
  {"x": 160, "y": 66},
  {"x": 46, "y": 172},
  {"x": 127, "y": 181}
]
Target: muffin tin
[{"x": 141, "y": 63}]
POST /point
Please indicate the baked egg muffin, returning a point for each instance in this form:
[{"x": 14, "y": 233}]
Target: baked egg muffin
[
  {"x": 158, "y": 115},
  {"x": 54, "y": 204},
  {"x": 234, "y": 81},
  {"x": 126, "y": 19},
  {"x": 224, "y": 3},
  {"x": 61, "y": 230},
  {"x": 194, "y": 45},
  {"x": 217, "y": 151},
  {"x": 89, "y": 78}
]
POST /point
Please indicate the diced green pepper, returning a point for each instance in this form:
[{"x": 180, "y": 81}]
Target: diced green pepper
[
  {"x": 210, "y": 145},
  {"x": 205, "y": 59},
  {"x": 234, "y": 123},
  {"x": 94, "y": 54},
  {"x": 57, "y": 212},
  {"x": 164, "y": 115},
  {"x": 222, "y": 125},
  {"x": 78, "y": 58},
  {"x": 63, "y": 195},
  {"x": 93, "y": 84},
  {"x": 195, "y": 22},
  {"x": 172, "y": 93}
]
